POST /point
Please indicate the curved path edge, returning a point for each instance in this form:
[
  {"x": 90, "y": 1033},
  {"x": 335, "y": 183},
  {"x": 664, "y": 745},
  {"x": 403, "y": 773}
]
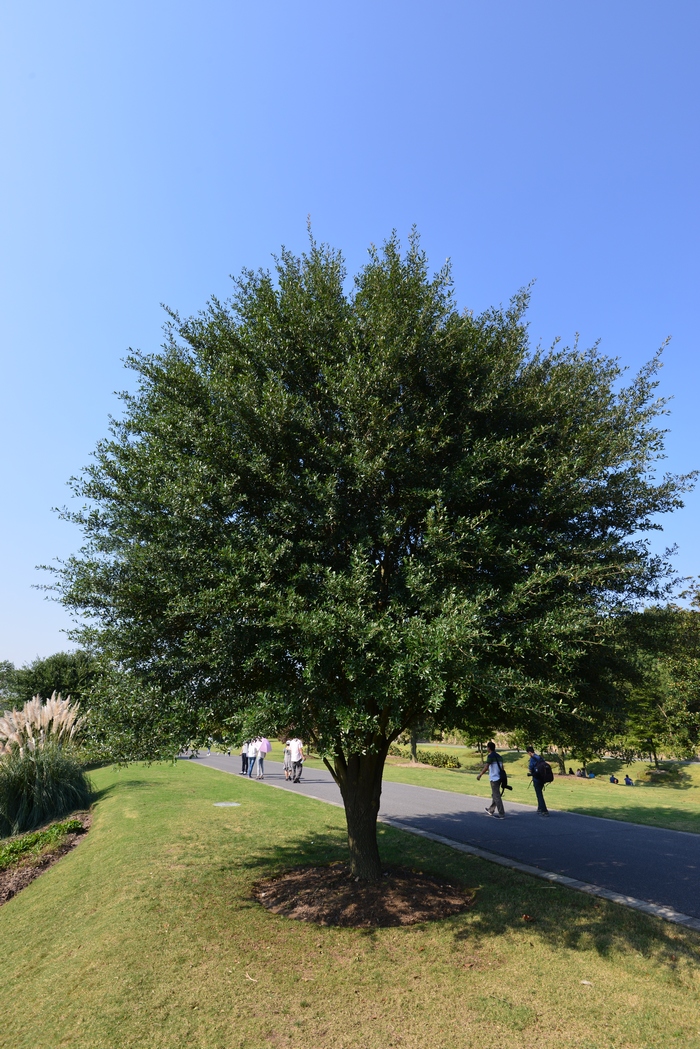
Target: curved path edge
[{"x": 655, "y": 910}]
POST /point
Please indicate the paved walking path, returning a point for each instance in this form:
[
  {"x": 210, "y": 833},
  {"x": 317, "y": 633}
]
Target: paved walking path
[{"x": 654, "y": 865}]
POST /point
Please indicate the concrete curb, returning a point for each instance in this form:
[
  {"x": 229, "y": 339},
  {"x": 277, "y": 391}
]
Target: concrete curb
[
  {"x": 667, "y": 914},
  {"x": 655, "y": 910}
]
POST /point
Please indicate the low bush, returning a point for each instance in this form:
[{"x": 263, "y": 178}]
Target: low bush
[
  {"x": 38, "y": 786},
  {"x": 439, "y": 758},
  {"x": 34, "y": 842}
]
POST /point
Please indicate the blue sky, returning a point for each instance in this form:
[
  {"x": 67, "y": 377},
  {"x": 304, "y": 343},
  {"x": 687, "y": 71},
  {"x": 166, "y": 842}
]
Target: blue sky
[{"x": 152, "y": 149}]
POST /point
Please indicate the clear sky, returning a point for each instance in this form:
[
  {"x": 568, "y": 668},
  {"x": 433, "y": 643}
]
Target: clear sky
[{"x": 150, "y": 149}]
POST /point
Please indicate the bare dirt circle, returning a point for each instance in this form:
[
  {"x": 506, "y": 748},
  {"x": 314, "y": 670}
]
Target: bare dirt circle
[{"x": 331, "y": 896}]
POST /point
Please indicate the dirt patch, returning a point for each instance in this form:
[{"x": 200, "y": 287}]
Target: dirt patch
[
  {"x": 331, "y": 896},
  {"x": 17, "y": 877}
]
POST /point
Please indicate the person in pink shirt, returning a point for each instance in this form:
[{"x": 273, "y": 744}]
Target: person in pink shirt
[{"x": 264, "y": 747}]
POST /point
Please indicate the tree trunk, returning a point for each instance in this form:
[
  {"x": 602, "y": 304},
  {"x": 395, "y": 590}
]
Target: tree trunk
[
  {"x": 561, "y": 760},
  {"x": 360, "y": 781},
  {"x": 414, "y": 745}
]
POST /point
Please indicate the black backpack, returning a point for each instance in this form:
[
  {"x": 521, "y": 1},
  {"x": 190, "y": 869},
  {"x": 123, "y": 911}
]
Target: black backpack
[{"x": 543, "y": 771}]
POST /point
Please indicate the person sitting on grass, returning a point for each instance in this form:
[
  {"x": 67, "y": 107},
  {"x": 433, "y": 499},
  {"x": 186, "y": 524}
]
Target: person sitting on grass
[
  {"x": 614, "y": 780},
  {"x": 629, "y": 782}
]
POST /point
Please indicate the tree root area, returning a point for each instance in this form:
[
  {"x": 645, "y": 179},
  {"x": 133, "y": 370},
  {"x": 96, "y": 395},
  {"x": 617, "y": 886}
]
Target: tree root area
[
  {"x": 20, "y": 874},
  {"x": 331, "y": 896}
]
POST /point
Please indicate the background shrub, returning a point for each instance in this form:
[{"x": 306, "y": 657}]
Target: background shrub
[
  {"x": 439, "y": 758},
  {"x": 39, "y": 786}
]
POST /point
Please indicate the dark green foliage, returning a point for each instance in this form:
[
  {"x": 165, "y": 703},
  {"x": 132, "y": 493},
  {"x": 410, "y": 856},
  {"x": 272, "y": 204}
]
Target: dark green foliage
[
  {"x": 129, "y": 720},
  {"x": 70, "y": 673},
  {"x": 40, "y": 786},
  {"x": 663, "y": 709},
  {"x": 35, "y": 842},
  {"x": 354, "y": 513}
]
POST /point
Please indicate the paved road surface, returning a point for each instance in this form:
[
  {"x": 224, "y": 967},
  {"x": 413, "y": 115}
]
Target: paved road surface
[{"x": 655, "y": 865}]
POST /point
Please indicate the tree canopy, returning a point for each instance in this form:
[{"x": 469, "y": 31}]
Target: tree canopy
[
  {"x": 347, "y": 509},
  {"x": 70, "y": 673}
]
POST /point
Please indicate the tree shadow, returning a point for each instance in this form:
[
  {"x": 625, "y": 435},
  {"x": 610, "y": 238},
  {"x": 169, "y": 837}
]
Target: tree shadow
[
  {"x": 105, "y": 792},
  {"x": 505, "y": 900}
]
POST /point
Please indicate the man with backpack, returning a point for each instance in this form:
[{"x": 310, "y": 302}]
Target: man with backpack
[
  {"x": 494, "y": 767},
  {"x": 541, "y": 772}
]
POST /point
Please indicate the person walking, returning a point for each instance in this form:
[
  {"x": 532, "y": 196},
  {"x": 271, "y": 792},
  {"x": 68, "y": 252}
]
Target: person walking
[
  {"x": 252, "y": 756},
  {"x": 296, "y": 753},
  {"x": 287, "y": 761},
  {"x": 494, "y": 765},
  {"x": 264, "y": 748},
  {"x": 537, "y": 781},
  {"x": 244, "y": 758}
]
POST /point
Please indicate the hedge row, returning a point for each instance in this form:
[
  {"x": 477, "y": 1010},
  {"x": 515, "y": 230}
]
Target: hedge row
[{"x": 439, "y": 758}]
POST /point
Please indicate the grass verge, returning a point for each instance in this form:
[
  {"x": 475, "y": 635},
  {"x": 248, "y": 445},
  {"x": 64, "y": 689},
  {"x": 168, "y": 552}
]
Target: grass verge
[{"x": 146, "y": 936}]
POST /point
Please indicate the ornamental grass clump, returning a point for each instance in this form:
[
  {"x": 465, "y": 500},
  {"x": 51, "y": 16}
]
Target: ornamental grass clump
[
  {"x": 38, "y": 722},
  {"x": 41, "y": 775}
]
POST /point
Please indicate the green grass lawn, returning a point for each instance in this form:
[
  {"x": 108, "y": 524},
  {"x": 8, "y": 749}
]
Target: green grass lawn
[
  {"x": 145, "y": 935},
  {"x": 676, "y": 806}
]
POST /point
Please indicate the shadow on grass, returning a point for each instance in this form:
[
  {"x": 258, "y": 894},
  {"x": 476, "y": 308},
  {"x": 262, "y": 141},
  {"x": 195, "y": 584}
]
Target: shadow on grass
[
  {"x": 105, "y": 792},
  {"x": 505, "y": 901}
]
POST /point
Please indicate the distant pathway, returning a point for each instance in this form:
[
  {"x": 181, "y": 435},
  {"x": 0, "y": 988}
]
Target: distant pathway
[{"x": 653, "y": 865}]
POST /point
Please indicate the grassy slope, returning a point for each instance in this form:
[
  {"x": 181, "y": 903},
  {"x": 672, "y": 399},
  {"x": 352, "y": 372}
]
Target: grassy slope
[
  {"x": 145, "y": 936},
  {"x": 675, "y": 806}
]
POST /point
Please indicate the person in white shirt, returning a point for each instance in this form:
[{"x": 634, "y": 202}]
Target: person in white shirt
[
  {"x": 244, "y": 759},
  {"x": 252, "y": 756},
  {"x": 493, "y": 766},
  {"x": 296, "y": 753}
]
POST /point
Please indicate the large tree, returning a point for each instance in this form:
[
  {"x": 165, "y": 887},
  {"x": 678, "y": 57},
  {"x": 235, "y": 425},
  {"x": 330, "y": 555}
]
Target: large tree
[{"x": 348, "y": 511}]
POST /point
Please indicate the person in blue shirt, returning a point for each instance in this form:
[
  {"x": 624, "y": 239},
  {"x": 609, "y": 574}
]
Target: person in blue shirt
[
  {"x": 629, "y": 782},
  {"x": 537, "y": 783}
]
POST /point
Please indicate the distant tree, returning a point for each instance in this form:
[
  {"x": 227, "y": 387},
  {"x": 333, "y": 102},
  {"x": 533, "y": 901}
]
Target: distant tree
[
  {"x": 70, "y": 673},
  {"x": 663, "y": 708},
  {"x": 351, "y": 512},
  {"x": 7, "y": 681}
]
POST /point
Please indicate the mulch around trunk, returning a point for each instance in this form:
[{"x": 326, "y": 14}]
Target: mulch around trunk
[
  {"x": 331, "y": 896},
  {"x": 17, "y": 877}
]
